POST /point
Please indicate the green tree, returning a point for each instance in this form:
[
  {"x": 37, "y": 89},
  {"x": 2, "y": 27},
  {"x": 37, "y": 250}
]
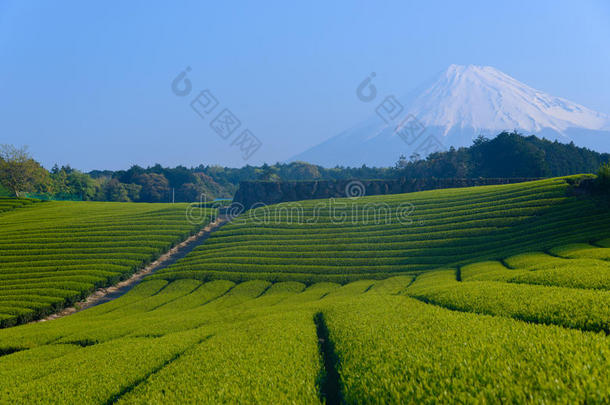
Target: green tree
[
  {"x": 19, "y": 172},
  {"x": 133, "y": 191},
  {"x": 59, "y": 181},
  {"x": 81, "y": 184},
  {"x": 114, "y": 190},
  {"x": 402, "y": 162},
  {"x": 155, "y": 187},
  {"x": 268, "y": 173},
  {"x": 603, "y": 178}
]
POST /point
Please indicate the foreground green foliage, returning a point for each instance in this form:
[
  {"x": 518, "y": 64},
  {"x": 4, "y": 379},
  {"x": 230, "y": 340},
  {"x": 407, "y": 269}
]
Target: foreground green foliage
[
  {"x": 574, "y": 308},
  {"x": 395, "y": 350},
  {"x": 257, "y": 342},
  {"x": 54, "y": 253}
]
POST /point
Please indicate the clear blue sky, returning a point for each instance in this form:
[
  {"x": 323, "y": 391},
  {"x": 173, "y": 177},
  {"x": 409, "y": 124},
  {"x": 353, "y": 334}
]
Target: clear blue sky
[{"x": 87, "y": 83}]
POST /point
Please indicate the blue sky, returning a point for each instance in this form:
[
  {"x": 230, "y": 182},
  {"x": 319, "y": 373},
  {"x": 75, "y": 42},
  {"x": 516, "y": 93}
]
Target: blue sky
[{"x": 89, "y": 83}]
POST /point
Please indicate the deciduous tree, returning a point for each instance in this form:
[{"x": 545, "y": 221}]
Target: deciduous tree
[{"x": 18, "y": 171}]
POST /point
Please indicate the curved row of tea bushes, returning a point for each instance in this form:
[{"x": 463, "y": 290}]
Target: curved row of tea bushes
[
  {"x": 53, "y": 254},
  {"x": 343, "y": 240},
  {"x": 363, "y": 342},
  {"x": 8, "y": 203}
]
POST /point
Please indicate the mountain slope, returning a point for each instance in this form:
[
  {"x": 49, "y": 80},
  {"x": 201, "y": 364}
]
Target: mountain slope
[{"x": 454, "y": 108}]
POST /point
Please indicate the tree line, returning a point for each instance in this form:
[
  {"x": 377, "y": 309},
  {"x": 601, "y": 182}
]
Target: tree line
[{"x": 508, "y": 155}]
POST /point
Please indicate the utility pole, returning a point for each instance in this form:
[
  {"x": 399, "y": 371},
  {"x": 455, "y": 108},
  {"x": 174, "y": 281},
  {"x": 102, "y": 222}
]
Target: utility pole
[{"x": 173, "y": 195}]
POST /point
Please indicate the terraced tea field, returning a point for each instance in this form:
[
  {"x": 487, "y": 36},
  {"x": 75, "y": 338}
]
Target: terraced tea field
[
  {"x": 7, "y": 204},
  {"x": 494, "y": 294},
  {"x": 54, "y": 253},
  {"x": 365, "y": 342},
  {"x": 381, "y": 236}
]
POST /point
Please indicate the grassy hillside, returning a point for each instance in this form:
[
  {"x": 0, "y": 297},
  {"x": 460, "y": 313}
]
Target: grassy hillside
[
  {"x": 53, "y": 253},
  {"x": 380, "y": 236}
]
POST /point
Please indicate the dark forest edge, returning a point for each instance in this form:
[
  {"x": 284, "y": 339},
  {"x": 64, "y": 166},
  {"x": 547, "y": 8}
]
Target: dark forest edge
[{"x": 509, "y": 155}]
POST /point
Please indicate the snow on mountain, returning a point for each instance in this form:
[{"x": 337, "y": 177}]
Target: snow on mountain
[
  {"x": 451, "y": 110},
  {"x": 482, "y": 97}
]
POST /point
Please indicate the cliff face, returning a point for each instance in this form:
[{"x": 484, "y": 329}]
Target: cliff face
[{"x": 250, "y": 193}]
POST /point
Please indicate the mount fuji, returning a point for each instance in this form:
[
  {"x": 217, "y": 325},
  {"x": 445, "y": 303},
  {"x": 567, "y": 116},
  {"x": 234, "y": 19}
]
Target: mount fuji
[{"x": 452, "y": 109}]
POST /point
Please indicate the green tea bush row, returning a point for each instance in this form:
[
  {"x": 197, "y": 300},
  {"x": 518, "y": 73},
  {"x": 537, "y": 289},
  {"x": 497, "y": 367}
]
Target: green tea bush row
[
  {"x": 573, "y": 308},
  {"x": 256, "y": 341},
  {"x": 64, "y": 250},
  {"x": 393, "y": 349},
  {"x": 449, "y": 228}
]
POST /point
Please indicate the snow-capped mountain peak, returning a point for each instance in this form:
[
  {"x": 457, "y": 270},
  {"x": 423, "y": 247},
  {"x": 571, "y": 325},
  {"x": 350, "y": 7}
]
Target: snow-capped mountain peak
[
  {"x": 484, "y": 98},
  {"x": 459, "y": 104}
]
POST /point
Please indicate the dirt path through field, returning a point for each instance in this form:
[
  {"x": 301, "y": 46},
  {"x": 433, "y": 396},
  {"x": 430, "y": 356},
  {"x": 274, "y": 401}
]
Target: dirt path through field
[{"x": 113, "y": 292}]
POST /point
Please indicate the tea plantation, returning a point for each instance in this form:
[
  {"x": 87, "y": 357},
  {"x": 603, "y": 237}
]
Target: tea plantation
[
  {"x": 364, "y": 342},
  {"x": 497, "y": 294},
  {"x": 54, "y": 253},
  {"x": 380, "y": 236},
  {"x": 7, "y": 203}
]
